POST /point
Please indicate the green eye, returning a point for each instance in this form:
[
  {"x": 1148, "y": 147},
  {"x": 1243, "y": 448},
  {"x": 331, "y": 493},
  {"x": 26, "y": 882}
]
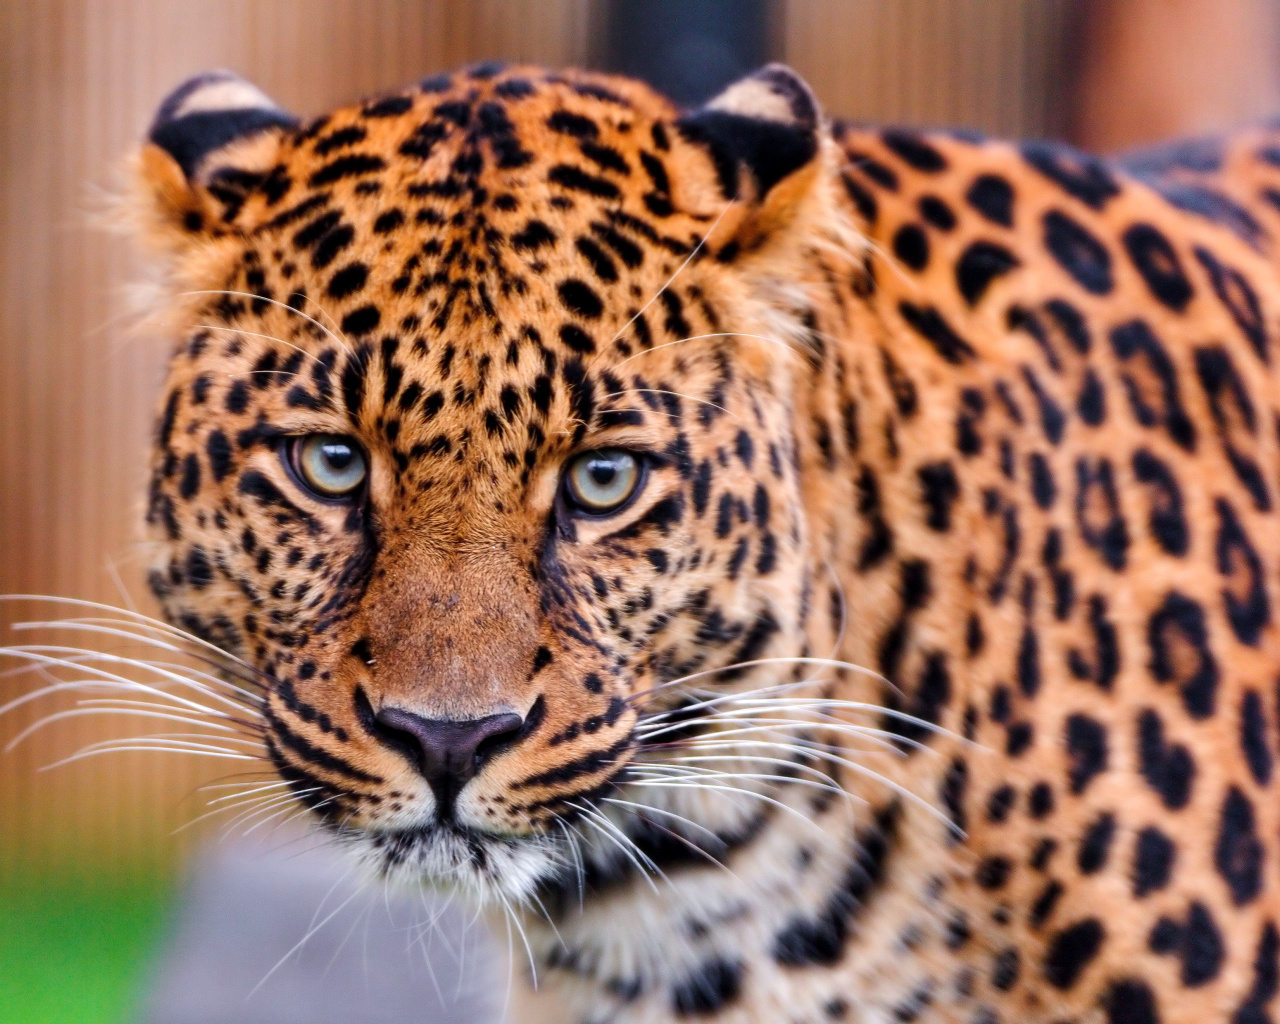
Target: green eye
[
  {"x": 602, "y": 481},
  {"x": 330, "y": 465}
]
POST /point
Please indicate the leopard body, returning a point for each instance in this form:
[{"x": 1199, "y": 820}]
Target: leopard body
[{"x": 932, "y": 674}]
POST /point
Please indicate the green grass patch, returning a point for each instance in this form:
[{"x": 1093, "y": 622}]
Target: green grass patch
[{"x": 75, "y": 950}]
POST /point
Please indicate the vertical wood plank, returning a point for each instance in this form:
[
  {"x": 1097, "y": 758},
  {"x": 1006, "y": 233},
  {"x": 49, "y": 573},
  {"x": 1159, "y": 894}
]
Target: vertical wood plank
[
  {"x": 994, "y": 65},
  {"x": 1158, "y": 69}
]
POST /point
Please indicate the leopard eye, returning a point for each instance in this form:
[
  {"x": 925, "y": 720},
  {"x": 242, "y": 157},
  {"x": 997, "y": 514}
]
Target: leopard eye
[
  {"x": 602, "y": 481},
  {"x": 330, "y": 465}
]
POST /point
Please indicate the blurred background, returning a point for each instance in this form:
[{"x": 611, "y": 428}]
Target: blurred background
[{"x": 102, "y": 915}]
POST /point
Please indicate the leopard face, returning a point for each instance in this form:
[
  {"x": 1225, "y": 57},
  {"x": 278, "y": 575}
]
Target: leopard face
[{"x": 456, "y": 295}]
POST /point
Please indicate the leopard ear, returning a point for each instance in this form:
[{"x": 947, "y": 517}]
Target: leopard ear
[
  {"x": 212, "y": 137},
  {"x": 766, "y": 139}
]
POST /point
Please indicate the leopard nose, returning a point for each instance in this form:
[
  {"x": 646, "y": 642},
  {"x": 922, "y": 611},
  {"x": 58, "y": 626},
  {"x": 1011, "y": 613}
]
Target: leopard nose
[{"x": 447, "y": 753}]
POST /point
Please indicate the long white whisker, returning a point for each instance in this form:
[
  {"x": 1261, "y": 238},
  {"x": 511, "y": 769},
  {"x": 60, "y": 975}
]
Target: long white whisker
[
  {"x": 170, "y": 747},
  {"x": 661, "y": 391},
  {"x": 699, "y": 337},
  {"x": 302, "y": 941},
  {"x": 92, "y": 627},
  {"x": 702, "y": 786},
  {"x": 251, "y": 802},
  {"x": 620, "y": 839},
  {"x": 115, "y": 680},
  {"x": 275, "y": 302},
  {"x": 882, "y": 740},
  {"x": 152, "y": 638},
  {"x": 202, "y": 682},
  {"x": 648, "y": 808},
  {"x": 248, "y": 334},
  {"x": 59, "y": 716},
  {"x": 690, "y": 763},
  {"x": 253, "y": 727},
  {"x": 157, "y": 624},
  {"x": 852, "y": 766},
  {"x": 580, "y": 871},
  {"x": 756, "y": 662},
  {"x": 828, "y": 705},
  {"x": 252, "y": 788},
  {"x": 679, "y": 270}
]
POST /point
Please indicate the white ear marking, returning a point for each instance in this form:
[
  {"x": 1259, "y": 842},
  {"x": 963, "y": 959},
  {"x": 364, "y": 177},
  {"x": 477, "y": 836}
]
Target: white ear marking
[{"x": 210, "y": 111}]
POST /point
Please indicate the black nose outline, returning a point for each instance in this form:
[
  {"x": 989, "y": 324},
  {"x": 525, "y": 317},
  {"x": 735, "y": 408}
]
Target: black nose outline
[{"x": 447, "y": 753}]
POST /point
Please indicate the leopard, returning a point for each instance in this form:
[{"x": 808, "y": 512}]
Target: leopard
[{"x": 793, "y": 571}]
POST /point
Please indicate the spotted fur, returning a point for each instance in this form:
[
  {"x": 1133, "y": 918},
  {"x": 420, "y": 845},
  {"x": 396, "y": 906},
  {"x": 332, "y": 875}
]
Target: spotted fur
[{"x": 987, "y": 433}]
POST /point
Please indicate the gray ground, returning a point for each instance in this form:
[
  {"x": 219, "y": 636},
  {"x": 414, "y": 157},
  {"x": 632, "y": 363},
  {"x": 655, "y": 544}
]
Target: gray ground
[{"x": 370, "y": 960}]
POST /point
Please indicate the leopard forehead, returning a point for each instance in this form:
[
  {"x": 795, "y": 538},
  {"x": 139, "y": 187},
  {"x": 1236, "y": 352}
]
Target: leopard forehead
[
  {"x": 487, "y": 249},
  {"x": 467, "y": 206}
]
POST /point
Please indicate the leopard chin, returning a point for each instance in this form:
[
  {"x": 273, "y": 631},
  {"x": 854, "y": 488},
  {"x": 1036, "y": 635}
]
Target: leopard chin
[{"x": 490, "y": 870}]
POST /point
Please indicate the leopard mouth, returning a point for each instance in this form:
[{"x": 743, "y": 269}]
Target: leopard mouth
[{"x": 488, "y": 866}]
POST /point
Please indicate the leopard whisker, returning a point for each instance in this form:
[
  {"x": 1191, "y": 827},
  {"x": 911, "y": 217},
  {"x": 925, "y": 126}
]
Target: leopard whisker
[
  {"x": 100, "y": 686},
  {"x": 238, "y": 805},
  {"x": 648, "y": 809},
  {"x": 248, "y": 742},
  {"x": 202, "y": 682},
  {"x": 524, "y": 937},
  {"x": 580, "y": 871},
  {"x": 422, "y": 931},
  {"x": 642, "y": 861},
  {"x": 255, "y": 788},
  {"x": 59, "y": 716},
  {"x": 883, "y": 740},
  {"x": 820, "y": 718},
  {"x": 756, "y": 662},
  {"x": 113, "y": 681},
  {"x": 250, "y": 334},
  {"x": 250, "y": 676},
  {"x": 310, "y": 932},
  {"x": 275, "y": 302},
  {"x": 694, "y": 778},
  {"x": 240, "y": 332},
  {"x": 157, "y": 624},
  {"x": 678, "y": 271},
  {"x": 818, "y": 778},
  {"x": 285, "y": 804},
  {"x": 121, "y": 702},
  {"x": 239, "y": 669},
  {"x": 790, "y": 350},
  {"x": 853, "y": 766},
  {"x": 533, "y": 899},
  {"x": 703, "y": 787},
  {"x": 661, "y": 391},
  {"x": 168, "y": 747},
  {"x": 822, "y": 705}
]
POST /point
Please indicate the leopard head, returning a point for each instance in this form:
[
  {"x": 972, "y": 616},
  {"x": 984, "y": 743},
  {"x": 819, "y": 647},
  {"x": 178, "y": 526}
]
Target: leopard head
[{"x": 477, "y": 439}]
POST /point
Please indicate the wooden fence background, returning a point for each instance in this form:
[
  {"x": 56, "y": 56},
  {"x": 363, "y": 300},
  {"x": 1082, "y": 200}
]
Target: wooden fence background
[{"x": 80, "y": 79}]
